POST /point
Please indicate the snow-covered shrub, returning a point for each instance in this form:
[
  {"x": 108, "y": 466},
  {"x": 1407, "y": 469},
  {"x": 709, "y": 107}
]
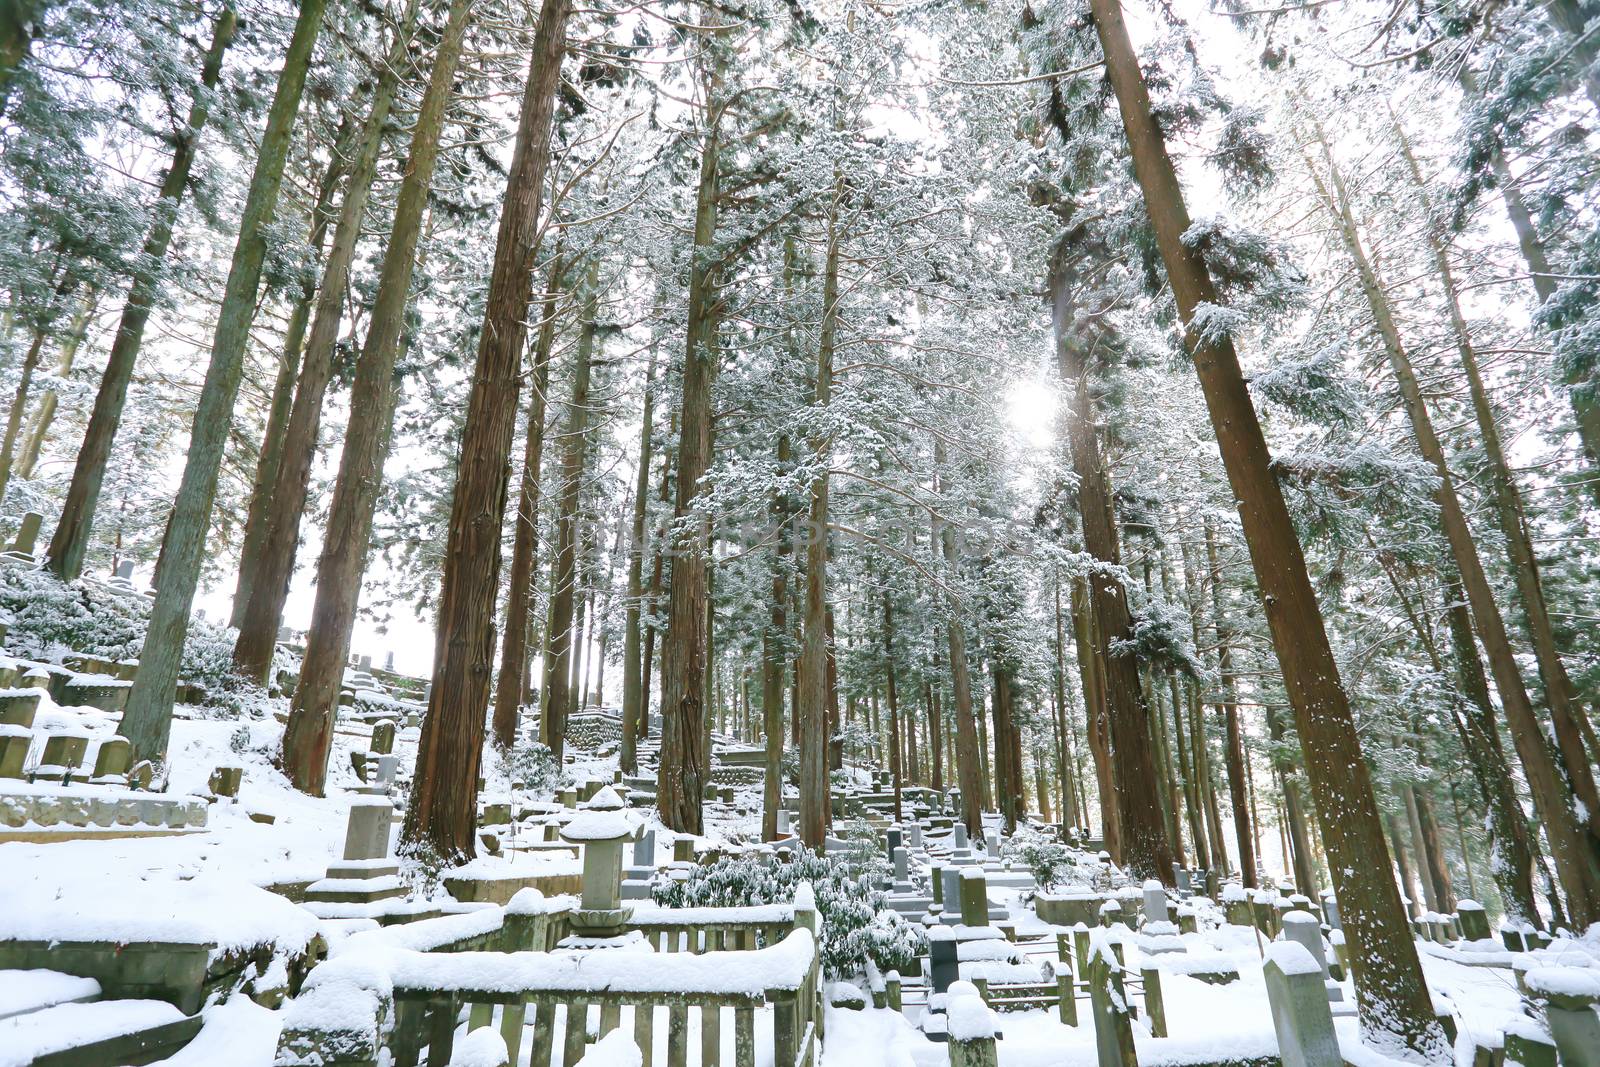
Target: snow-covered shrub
[
  {"x": 1053, "y": 864},
  {"x": 533, "y": 764},
  {"x": 49, "y": 619},
  {"x": 855, "y": 925}
]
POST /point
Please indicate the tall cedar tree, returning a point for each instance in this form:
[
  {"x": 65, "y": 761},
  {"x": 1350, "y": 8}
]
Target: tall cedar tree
[
  {"x": 147, "y": 722},
  {"x": 1394, "y": 1000},
  {"x": 444, "y": 801},
  {"x": 309, "y": 735}
]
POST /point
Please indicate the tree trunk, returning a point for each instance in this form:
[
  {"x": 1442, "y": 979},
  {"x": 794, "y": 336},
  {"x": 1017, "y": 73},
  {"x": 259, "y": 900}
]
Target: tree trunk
[
  {"x": 511, "y": 688},
  {"x": 71, "y": 538},
  {"x": 18, "y": 22},
  {"x": 816, "y": 688},
  {"x": 273, "y": 564},
  {"x": 1511, "y": 852},
  {"x": 1567, "y": 714},
  {"x": 775, "y": 659},
  {"x": 1235, "y": 757},
  {"x": 634, "y": 698},
  {"x": 258, "y": 515},
  {"x": 443, "y": 813},
  {"x": 1394, "y": 1001},
  {"x": 40, "y": 427},
  {"x": 147, "y": 722},
  {"x": 968, "y": 754},
  {"x": 896, "y": 766},
  {"x": 1575, "y": 849},
  {"x": 557, "y": 693},
  {"x": 309, "y": 734},
  {"x": 30, "y": 363},
  {"x": 1094, "y": 702},
  {"x": 684, "y": 767}
]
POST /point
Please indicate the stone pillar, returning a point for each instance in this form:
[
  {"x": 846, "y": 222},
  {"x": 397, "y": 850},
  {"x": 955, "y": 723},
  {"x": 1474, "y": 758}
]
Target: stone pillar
[
  {"x": 1300, "y": 1013},
  {"x": 1474, "y": 921},
  {"x": 936, "y": 879},
  {"x": 1155, "y": 902},
  {"x": 28, "y": 534},
  {"x": 943, "y": 967},
  {"x": 1302, "y": 928},
  {"x": 1570, "y": 995},
  {"x": 971, "y": 1028},
  {"x": 974, "y": 897},
  {"x": 602, "y": 827},
  {"x": 1113, "y": 1026}
]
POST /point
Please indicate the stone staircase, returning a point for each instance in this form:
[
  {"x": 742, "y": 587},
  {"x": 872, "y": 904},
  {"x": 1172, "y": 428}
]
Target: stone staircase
[{"x": 50, "y": 1019}]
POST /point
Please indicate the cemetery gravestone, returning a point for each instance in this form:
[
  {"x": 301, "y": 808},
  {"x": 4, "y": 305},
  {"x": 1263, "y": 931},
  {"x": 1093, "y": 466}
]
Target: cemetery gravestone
[
  {"x": 28, "y": 534},
  {"x": 1300, "y": 1014},
  {"x": 366, "y": 835}
]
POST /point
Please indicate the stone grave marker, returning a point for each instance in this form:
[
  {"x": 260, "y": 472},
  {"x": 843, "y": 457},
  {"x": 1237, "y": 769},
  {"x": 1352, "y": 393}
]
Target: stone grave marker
[
  {"x": 125, "y": 570},
  {"x": 1570, "y": 995},
  {"x": 224, "y": 781},
  {"x": 1474, "y": 920},
  {"x": 383, "y": 737},
  {"x": 952, "y": 892},
  {"x": 27, "y": 534},
  {"x": 894, "y": 838},
  {"x": 602, "y": 828},
  {"x": 18, "y": 709},
  {"x": 63, "y": 754},
  {"x": 14, "y": 744},
  {"x": 1300, "y": 1013},
  {"x": 1302, "y": 928},
  {"x": 974, "y": 897},
  {"x": 914, "y": 835},
  {"x": 111, "y": 761},
  {"x": 942, "y": 960},
  {"x": 1155, "y": 902},
  {"x": 366, "y": 835}
]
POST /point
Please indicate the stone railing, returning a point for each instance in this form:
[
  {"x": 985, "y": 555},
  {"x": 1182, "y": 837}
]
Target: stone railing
[{"x": 398, "y": 999}]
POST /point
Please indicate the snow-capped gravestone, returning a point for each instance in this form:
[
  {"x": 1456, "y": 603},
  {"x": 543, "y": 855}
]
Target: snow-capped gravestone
[
  {"x": 1155, "y": 902},
  {"x": 365, "y": 874},
  {"x": 1474, "y": 921},
  {"x": 1300, "y": 1014},
  {"x": 974, "y": 897},
  {"x": 602, "y": 827},
  {"x": 1570, "y": 995},
  {"x": 1303, "y": 929},
  {"x": 111, "y": 762}
]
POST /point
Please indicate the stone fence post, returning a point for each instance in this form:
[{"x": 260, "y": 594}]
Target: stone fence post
[{"x": 970, "y": 1026}]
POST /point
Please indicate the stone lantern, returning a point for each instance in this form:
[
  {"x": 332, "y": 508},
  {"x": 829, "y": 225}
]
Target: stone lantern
[{"x": 602, "y": 827}]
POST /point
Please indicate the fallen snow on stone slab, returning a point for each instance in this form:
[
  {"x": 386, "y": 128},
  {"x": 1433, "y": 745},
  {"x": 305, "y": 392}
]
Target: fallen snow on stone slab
[
  {"x": 211, "y": 909},
  {"x": 25, "y": 1038},
  {"x": 238, "y": 1033},
  {"x": 22, "y": 991}
]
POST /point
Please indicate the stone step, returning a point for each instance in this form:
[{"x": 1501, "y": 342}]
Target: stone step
[
  {"x": 33, "y": 990},
  {"x": 98, "y": 1034}
]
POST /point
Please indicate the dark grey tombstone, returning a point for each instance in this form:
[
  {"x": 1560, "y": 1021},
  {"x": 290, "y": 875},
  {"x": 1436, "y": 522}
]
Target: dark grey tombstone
[
  {"x": 942, "y": 965},
  {"x": 895, "y": 837}
]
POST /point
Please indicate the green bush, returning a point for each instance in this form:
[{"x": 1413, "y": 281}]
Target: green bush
[{"x": 855, "y": 925}]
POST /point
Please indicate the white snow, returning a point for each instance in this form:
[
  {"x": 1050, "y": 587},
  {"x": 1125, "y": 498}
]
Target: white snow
[
  {"x": 25, "y": 1038},
  {"x": 483, "y": 1047}
]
